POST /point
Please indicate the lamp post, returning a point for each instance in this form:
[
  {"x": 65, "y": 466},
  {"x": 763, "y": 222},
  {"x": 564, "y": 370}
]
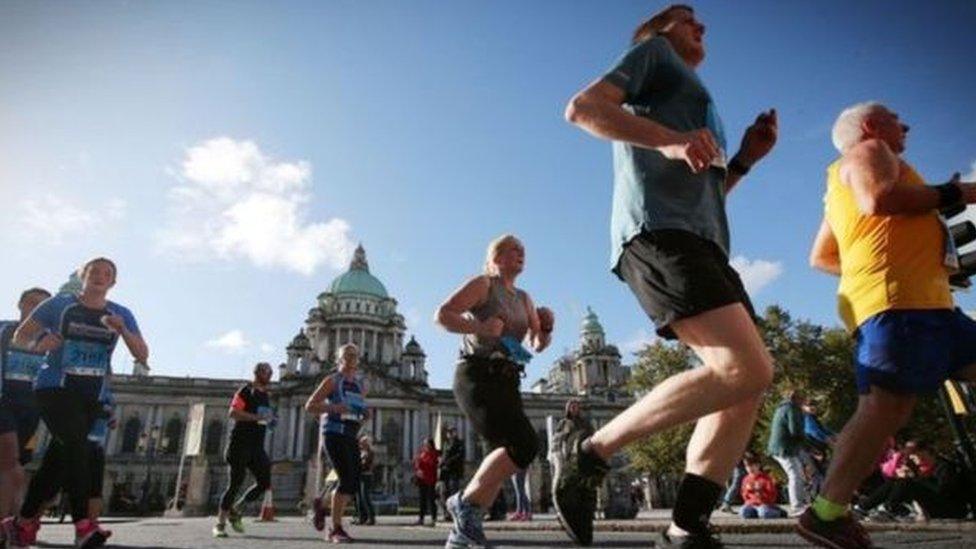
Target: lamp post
[{"x": 148, "y": 442}]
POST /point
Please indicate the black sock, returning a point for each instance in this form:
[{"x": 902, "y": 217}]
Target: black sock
[
  {"x": 589, "y": 462},
  {"x": 694, "y": 503}
]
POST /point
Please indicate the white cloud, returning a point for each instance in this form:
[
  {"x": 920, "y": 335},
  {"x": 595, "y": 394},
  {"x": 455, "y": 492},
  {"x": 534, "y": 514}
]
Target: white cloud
[
  {"x": 637, "y": 341},
  {"x": 234, "y": 202},
  {"x": 54, "y": 218},
  {"x": 230, "y": 342},
  {"x": 756, "y": 273}
]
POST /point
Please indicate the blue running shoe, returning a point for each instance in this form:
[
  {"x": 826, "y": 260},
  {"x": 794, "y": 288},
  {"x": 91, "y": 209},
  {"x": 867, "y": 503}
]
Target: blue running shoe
[{"x": 467, "y": 531}]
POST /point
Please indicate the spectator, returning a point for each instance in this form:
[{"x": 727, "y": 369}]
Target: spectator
[
  {"x": 452, "y": 465},
  {"x": 910, "y": 476},
  {"x": 364, "y": 499},
  {"x": 786, "y": 441},
  {"x": 732, "y": 492},
  {"x": 759, "y": 493},
  {"x": 819, "y": 439},
  {"x": 425, "y": 475}
]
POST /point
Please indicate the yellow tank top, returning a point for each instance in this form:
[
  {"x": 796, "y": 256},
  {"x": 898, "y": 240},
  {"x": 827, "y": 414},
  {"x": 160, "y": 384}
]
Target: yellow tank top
[{"x": 887, "y": 262}]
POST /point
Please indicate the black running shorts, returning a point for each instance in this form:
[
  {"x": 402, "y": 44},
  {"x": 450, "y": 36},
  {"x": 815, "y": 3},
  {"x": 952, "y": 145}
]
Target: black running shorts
[{"x": 677, "y": 274}]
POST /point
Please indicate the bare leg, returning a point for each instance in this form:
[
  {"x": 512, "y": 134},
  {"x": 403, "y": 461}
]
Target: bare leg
[
  {"x": 339, "y": 501},
  {"x": 12, "y": 476},
  {"x": 494, "y": 470},
  {"x": 879, "y": 415},
  {"x": 724, "y": 393}
]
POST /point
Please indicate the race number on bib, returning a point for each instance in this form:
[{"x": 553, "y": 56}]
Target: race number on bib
[{"x": 85, "y": 358}]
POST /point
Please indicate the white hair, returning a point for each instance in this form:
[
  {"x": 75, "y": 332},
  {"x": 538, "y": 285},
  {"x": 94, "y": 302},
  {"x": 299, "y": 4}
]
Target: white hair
[{"x": 847, "y": 130}]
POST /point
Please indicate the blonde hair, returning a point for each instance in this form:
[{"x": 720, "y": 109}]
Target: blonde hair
[
  {"x": 494, "y": 248},
  {"x": 341, "y": 351},
  {"x": 657, "y": 23}
]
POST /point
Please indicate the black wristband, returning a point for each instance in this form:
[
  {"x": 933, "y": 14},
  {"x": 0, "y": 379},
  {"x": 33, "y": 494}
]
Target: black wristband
[
  {"x": 737, "y": 167},
  {"x": 950, "y": 194}
]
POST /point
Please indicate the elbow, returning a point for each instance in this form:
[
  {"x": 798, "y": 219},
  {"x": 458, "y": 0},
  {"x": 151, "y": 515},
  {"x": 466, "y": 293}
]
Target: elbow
[{"x": 576, "y": 109}]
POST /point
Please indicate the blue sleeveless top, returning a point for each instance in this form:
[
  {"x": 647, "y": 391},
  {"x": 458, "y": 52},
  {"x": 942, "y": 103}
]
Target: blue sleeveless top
[{"x": 348, "y": 392}]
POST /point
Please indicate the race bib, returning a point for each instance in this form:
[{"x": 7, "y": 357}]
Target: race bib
[
  {"x": 21, "y": 366},
  {"x": 85, "y": 358},
  {"x": 356, "y": 405}
]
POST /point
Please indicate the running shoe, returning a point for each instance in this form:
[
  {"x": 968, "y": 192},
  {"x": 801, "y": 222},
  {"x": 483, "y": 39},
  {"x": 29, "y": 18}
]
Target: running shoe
[
  {"x": 89, "y": 535},
  {"x": 234, "y": 518},
  {"x": 704, "y": 540},
  {"x": 19, "y": 533},
  {"x": 843, "y": 533},
  {"x": 318, "y": 516},
  {"x": 338, "y": 535},
  {"x": 574, "y": 483},
  {"x": 467, "y": 530},
  {"x": 220, "y": 530}
]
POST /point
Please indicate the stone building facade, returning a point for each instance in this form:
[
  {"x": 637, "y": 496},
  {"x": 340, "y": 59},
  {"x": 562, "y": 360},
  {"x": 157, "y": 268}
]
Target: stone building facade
[{"x": 152, "y": 410}]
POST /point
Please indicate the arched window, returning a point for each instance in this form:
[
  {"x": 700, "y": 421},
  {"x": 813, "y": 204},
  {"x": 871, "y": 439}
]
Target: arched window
[
  {"x": 130, "y": 435},
  {"x": 173, "y": 435},
  {"x": 215, "y": 434}
]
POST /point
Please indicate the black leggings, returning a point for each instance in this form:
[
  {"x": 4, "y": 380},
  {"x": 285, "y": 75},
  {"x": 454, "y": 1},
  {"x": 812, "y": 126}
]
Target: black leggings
[
  {"x": 343, "y": 451},
  {"x": 487, "y": 391},
  {"x": 244, "y": 457},
  {"x": 67, "y": 462},
  {"x": 428, "y": 501}
]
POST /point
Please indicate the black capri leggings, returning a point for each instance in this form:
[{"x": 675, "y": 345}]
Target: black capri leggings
[
  {"x": 243, "y": 458},
  {"x": 67, "y": 462},
  {"x": 343, "y": 451},
  {"x": 487, "y": 391}
]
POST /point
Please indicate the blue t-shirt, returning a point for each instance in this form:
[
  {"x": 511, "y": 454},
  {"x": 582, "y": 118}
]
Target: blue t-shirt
[
  {"x": 84, "y": 359},
  {"x": 18, "y": 367},
  {"x": 652, "y": 192}
]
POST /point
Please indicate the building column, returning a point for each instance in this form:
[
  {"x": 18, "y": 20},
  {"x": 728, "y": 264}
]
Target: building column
[
  {"x": 290, "y": 440},
  {"x": 112, "y": 445}
]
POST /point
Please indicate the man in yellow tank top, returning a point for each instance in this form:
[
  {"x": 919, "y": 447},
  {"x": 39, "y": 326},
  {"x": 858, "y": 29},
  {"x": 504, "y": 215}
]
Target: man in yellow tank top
[{"x": 882, "y": 236}]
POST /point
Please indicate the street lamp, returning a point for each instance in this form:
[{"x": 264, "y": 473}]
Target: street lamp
[{"x": 148, "y": 442}]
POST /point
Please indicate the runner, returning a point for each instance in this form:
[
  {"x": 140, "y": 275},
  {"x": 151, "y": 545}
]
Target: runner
[
  {"x": 18, "y": 411},
  {"x": 251, "y": 411},
  {"x": 670, "y": 241},
  {"x": 495, "y": 317},
  {"x": 342, "y": 397},
  {"x": 881, "y": 234},
  {"x": 83, "y": 330}
]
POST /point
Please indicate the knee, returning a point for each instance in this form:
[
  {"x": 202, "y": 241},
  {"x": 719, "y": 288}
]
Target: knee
[{"x": 750, "y": 375}]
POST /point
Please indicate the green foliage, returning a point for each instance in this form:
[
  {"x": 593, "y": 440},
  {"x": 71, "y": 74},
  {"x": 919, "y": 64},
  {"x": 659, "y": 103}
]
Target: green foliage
[{"x": 813, "y": 359}]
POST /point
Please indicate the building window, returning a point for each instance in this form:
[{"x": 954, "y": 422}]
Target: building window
[
  {"x": 215, "y": 434},
  {"x": 130, "y": 435},
  {"x": 174, "y": 436}
]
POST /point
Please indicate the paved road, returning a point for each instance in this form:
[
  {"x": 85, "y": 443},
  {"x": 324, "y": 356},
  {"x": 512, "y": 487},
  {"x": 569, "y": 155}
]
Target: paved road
[{"x": 193, "y": 533}]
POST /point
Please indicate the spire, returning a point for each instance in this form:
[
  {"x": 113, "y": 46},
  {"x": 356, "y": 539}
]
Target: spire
[{"x": 359, "y": 260}]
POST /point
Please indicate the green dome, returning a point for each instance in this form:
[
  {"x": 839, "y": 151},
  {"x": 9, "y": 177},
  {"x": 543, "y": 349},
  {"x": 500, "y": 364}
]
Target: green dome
[
  {"x": 357, "y": 279},
  {"x": 591, "y": 323}
]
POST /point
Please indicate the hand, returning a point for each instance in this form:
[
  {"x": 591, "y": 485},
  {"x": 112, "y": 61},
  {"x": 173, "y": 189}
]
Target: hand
[
  {"x": 696, "y": 148},
  {"x": 968, "y": 188},
  {"x": 759, "y": 138},
  {"x": 49, "y": 343},
  {"x": 492, "y": 327},
  {"x": 547, "y": 319},
  {"x": 114, "y": 323}
]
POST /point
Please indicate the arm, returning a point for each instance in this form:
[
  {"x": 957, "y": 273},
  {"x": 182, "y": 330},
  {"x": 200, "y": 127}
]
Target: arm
[
  {"x": 598, "y": 109},
  {"x": 451, "y": 314},
  {"x": 872, "y": 170},
  {"x": 237, "y": 411},
  {"x": 26, "y": 335},
  {"x": 757, "y": 141},
  {"x": 124, "y": 324},
  {"x": 825, "y": 255},
  {"x": 538, "y": 337},
  {"x": 316, "y": 405}
]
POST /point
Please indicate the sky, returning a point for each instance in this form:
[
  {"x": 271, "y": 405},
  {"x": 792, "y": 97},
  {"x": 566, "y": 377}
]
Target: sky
[{"x": 230, "y": 155}]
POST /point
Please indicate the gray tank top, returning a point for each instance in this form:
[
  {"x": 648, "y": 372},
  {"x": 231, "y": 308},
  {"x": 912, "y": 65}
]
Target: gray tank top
[{"x": 505, "y": 304}]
